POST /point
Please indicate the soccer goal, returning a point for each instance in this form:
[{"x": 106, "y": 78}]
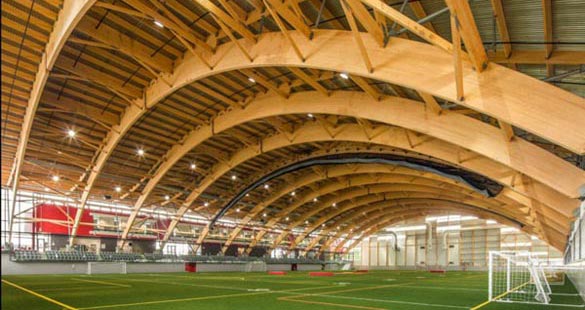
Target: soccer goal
[
  {"x": 255, "y": 267},
  {"x": 106, "y": 268},
  {"x": 517, "y": 277}
]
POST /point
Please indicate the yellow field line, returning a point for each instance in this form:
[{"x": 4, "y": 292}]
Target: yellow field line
[
  {"x": 39, "y": 295},
  {"x": 499, "y": 296},
  {"x": 296, "y": 298},
  {"x": 101, "y": 282},
  {"x": 364, "y": 288},
  {"x": 174, "y": 300}
]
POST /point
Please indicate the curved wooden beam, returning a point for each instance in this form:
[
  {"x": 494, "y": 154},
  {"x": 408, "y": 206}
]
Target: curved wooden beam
[
  {"x": 377, "y": 218},
  {"x": 373, "y": 187},
  {"x": 384, "y": 221},
  {"x": 267, "y": 106},
  {"x": 69, "y": 16},
  {"x": 363, "y": 219},
  {"x": 394, "y": 137},
  {"x": 494, "y": 93},
  {"x": 428, "y": 198},
  {"x": 337, "y": 171},
  {"x": 364, "y": 206}
]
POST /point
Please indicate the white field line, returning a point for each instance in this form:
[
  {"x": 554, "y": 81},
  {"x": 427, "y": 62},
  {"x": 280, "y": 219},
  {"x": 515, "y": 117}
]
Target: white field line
[{"x": 102, "y": 282}]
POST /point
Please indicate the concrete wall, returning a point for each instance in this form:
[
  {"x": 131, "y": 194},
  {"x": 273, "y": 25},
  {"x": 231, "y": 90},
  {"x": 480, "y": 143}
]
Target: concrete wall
[
  {"x": 203, "y": 267},
  {"x": 278, "y": 267},
  {"x": 154, "y": 267},
  {"x": 308, "y": 267},
  {"x": 10, "y": 267}
]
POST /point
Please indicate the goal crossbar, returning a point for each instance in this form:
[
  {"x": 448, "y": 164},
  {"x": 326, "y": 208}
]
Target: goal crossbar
[{"x": 106, "y": 268}]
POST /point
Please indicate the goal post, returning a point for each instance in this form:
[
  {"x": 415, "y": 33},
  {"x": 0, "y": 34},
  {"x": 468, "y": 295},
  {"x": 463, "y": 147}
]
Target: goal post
[
  {"x": 255, "y": 267},
  {"x": 106, "y": 268},
  {"x": 517, "y": 277}
]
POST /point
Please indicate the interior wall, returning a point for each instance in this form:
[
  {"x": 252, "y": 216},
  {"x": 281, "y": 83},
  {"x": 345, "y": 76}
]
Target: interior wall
[{"x": 467, "y": 247}]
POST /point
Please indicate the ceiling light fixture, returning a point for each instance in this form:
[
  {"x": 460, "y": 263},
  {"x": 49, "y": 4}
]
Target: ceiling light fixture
[
  {"x": 344, "y": 75},
  {"x": 251, "y": 80},
  {"x": 193, "y": 166},
  {"x": 71, "y": 133},
  {"x": 140, "y": 152},
  {"x": 55, "y": 178},
  {"x": 159, "y": 24},
  {"x": 118, "y": 189}
]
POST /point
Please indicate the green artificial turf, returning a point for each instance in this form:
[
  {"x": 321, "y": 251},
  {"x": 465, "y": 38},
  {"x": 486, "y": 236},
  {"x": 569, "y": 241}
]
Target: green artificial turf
[{"x": 395, "y": 290}]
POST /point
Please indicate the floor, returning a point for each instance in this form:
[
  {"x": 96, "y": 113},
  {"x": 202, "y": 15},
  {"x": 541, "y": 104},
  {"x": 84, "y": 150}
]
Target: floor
[{"x": 393, "y": 290}]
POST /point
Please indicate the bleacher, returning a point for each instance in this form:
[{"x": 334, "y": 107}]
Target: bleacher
[
  {"x": 121, "y": 257},
  {"x": 27, "y": 255},
  {"x": 82, "y": 256}
]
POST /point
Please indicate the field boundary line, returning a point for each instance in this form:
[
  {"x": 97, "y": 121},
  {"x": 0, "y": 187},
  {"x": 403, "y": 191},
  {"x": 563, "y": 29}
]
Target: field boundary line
[
  {"x": 39, "y": 295},
  {"x": 498, "y": 297},
  {"x": 73, "y": 288},
  {"x": 446, "y": 288},
  {"x": 101, "y": 282},
  {"x": 188, "y": 284},
  {"x": 173, "y": 300}
]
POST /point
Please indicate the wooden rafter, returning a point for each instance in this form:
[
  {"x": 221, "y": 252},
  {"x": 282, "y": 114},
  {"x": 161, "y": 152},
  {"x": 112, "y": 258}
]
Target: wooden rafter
[
  {"x": 469, "y": 33},
  {"x": 457, "y": 61},
  {"x": 357, "y": 36},
  {"x": 502, "y": 26},
  {"x": 70, "y": 14}
]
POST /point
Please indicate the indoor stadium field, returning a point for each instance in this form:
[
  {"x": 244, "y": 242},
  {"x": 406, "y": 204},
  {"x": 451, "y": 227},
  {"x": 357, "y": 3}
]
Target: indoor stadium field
[
  {"x": 400, "y": 290},
  {"x": 292, "y": 154}
]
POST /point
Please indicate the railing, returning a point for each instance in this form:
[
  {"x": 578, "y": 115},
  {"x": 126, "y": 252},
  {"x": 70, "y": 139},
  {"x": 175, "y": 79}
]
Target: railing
[{"x": 79, "y": 256}]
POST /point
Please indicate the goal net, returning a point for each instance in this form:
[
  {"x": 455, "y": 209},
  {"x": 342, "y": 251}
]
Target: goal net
[
  {"x": 517, "y": 277},
  {"x": 346, "y": 266},
  {"x": 255, "y": 267},
  {"x": 105, "y": 268}
]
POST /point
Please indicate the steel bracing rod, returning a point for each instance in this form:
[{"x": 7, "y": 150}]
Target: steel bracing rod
[
  {"x": 334, "y": 160},
  {"x": 566, "y": 74}
]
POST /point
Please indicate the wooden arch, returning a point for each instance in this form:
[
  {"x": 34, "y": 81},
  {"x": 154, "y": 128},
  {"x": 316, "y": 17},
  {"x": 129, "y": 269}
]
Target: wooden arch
[
  {"x": 363, "y": 185},
  {"x": 401, "y": 174},
  {"x": 334, "y": 104},
  {"x": 386, "y": 136},
  {"x": 370, "y": 217},
  {"x": 384, "y": 221},
  {"x": 493, "y": 93},
  {"x": 376, "y": 186},
  {"x": 377, "y": 192}
]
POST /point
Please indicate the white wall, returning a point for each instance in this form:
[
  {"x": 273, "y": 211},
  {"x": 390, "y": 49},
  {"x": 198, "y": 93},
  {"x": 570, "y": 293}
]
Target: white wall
[{"x": 451, "y": 248}]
